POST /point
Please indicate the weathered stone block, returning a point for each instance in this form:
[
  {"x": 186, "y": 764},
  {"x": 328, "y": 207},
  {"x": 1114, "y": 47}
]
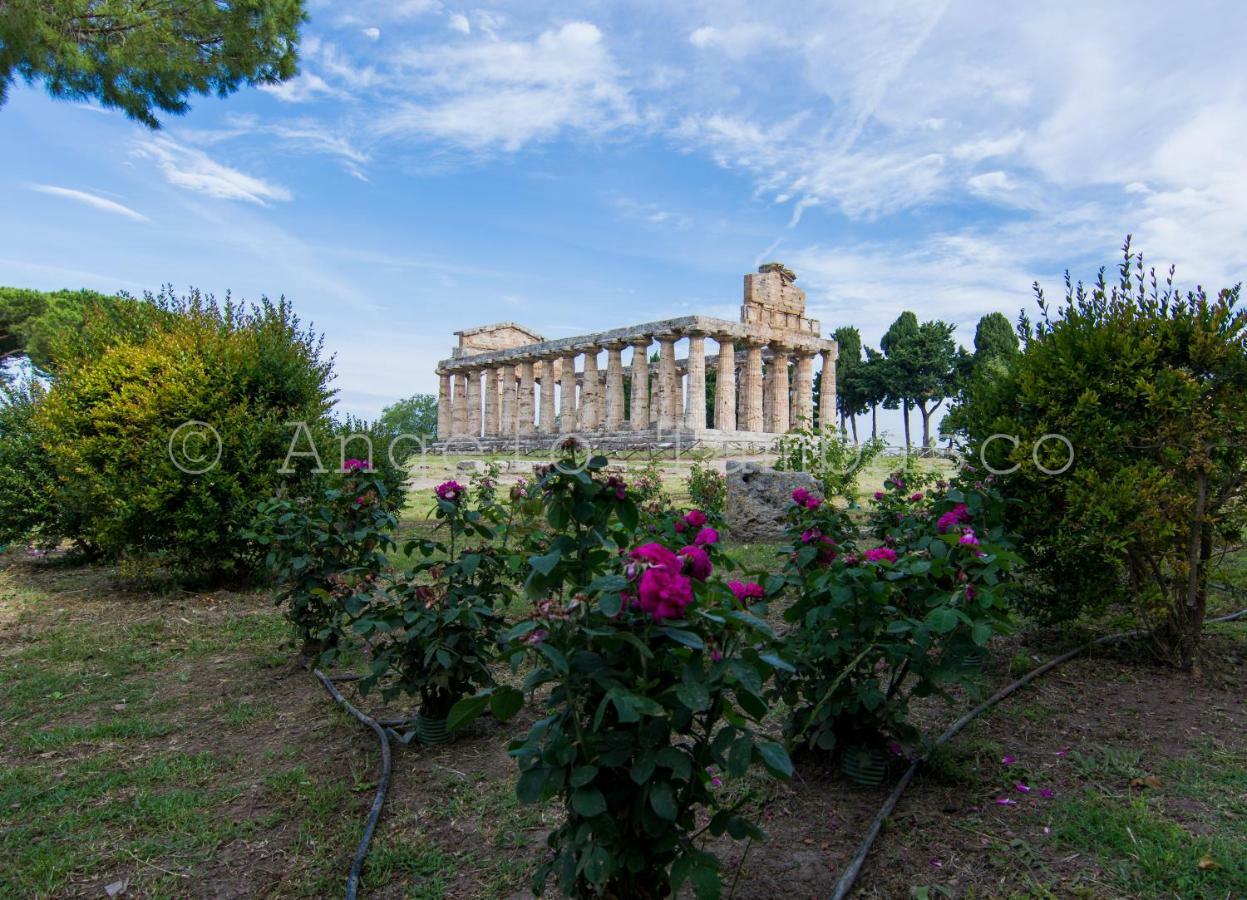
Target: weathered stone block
[{"x": 758, "y": 498}]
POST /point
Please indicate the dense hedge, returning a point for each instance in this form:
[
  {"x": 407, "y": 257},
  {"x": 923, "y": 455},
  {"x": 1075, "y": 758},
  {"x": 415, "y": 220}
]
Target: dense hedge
[{"x": 98, "y": 459}]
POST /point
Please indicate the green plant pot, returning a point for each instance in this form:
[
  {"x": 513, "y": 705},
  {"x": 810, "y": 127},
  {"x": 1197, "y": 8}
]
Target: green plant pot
[
  {"x": 864, "y": 765},
  {"x": 432, "y": 732}
]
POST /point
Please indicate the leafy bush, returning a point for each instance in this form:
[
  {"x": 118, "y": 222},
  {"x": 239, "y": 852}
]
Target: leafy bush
[
  {"x": 124, "y": 386},
  {"x": 28, "y": 484},
  {"x": 434, "y": 631},
  {"x": 873, "y": 628},
  {"x": 328, "y": 552},
  {"x": 830, "y": 458},
  {"x": 708, "y": 488},
  {"x": 656, "y": 670},
  {"x": 1149, "y": 386}
]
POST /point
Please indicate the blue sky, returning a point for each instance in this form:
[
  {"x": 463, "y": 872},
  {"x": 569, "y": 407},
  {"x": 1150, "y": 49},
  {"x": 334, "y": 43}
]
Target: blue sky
[{"x": 577, "y": 168}]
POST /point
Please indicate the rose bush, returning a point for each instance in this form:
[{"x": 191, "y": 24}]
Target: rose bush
[
  {"x": 327, "y": 551},
  {"x": 875, "y": 627},
  {"x": 657, "y": 672}
]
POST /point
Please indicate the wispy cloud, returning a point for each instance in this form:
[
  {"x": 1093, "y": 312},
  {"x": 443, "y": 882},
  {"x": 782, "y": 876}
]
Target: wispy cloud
[
  {"x": 93, "y": 200},
  {"x": 506, "y": 94},
  {"x": 196, "y": 171}
]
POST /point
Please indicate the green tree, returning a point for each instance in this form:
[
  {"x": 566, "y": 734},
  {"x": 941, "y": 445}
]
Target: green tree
[
  {"x": 32, "y": 321},
  {"x": 414, "y": 415},
  {"x": 995, "y": 338},
  {"x": 898, "y": 345},
  {"x": 934, "y": 372},
  {"x": 141, "y": 56},
  {"x": 1149, "y": 387},
  {"x": 871, "y": 384},
  {"x": 848, "y": 384}
]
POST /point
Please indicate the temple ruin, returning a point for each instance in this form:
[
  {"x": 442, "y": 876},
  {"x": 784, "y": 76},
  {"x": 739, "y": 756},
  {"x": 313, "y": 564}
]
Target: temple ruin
[{"x": 506, "y": 386}]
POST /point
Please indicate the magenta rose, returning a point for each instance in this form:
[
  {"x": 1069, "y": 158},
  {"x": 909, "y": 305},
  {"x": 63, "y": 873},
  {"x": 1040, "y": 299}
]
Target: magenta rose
[
  {"x": 664, "y": 594},
  {"x": 880, "y": 554},
  {"x": 706, "y": 536},
  {"x": 697, "y": 562}
]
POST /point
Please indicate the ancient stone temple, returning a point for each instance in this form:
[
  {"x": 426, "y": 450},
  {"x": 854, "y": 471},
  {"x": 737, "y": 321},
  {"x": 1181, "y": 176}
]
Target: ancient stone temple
[{"x": 507, "y": 386}]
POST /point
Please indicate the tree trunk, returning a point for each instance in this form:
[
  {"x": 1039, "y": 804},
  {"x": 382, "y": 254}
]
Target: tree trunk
[
  {"x": 874, "y": 421},
  {"x": 905, "y": 407},
  {"x": 853, "y": 419}
]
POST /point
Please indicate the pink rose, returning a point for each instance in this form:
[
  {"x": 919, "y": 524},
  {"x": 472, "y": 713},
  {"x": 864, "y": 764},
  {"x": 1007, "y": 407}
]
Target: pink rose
[
  {"x": 664, "y": 594},
  {"x": 880, "y": 554},
  {"x": 656, "y": 554},
  {"x": 695, "y": 518},
  {"x": 696, "y": 562},
  {"x": 744, "y": 592},
  {"x": 706, "y": 536}
]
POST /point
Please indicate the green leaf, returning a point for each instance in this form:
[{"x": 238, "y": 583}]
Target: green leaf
[
  {"x": 900, "y": 626},
  {"x": 942, "y": 620},
  {"x": 582, "y": 775},
  {"x": 532, "y": 784},
  {"x": 775, "y": 757},
  {"x": 589, "y": 802},
  {"x": 740, "y": 755},
  {"x": 545, "y": 564},
  {"x": 505, "y": 702},
  {"x": 693, "y": 694},
  {"x": 687, "y": 638},
  {"x": 610, "y": 604},
  {"x": 776, "y": 662},
  {"x": 556, "y": 658},
  {"x": 662, "y": 800},
  {"x": 465, "y": 711},
  {"x": 982, "y": 633}
]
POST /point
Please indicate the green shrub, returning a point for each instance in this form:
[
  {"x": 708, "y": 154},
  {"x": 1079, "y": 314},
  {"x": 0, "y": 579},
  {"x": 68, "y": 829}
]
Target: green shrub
[
  {"x": 656, "y": 670},
  {"x": 327, "y": 551},
  {"x": 1149, "y": 386},
  {"x": 28, "y": 509},
  {"x": 122, "y": 389},
  {"x": 708, "y": 488},
  {"x": 434, "y": 630},
  {"x": 873, "y": 628},
  {"x": 827, "y": 456}
]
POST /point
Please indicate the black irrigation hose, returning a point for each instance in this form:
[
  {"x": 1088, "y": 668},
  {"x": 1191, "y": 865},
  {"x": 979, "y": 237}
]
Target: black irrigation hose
[
  {"x": 845, "y": 884},
  {"x": 361, "y": 852}
]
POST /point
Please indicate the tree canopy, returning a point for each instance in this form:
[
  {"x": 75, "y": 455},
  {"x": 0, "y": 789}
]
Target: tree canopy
[
  {"x": 144, "y": 56},
  {"x": 33, "y": 322}
]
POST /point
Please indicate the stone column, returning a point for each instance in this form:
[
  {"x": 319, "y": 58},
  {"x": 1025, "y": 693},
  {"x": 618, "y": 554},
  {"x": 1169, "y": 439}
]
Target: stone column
[
  {"x": 803, "y": 390},
  {"x": 459, "y": 406},
  {"x": 524, "y": 409},
  {"x": 567, "y": 390},
  {"x": 614, "y": 408},
  {"x": 443, "y": 405},
  {"x": 640, "y": 384},
  {"x": 667, "y": 382},
  {"x": 474, "y": 403},
  {"x": 695, "y": 409},
  {"x": 827, "y": 391},
  {"x": 779, "y": 382},
  {"x": 491, "y": 402},
  {"x": 725, "y": 385},
  {"x": 549, "y": 375},
  {"x": 506, "y": 418},
  {"x": 590, "y": 392},
  {"x": 750, "y": 407}
]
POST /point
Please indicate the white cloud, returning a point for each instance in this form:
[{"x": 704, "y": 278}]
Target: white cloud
[
  {"x": 985, "y": 148},
  {"x": 372, "y": 32},
  {"x": 459, "y": 22},
  {"x": 510, "y": 93},
  {"x": 93, "y": 200},
  {"x": 194, "y": 170},
  {"x": 740, "y": 40},
  {"x": 303, "y": 88}
]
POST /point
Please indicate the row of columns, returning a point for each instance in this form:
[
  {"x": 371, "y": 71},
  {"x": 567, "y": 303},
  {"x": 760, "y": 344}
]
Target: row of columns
[{"x": 764, "y": 401}]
